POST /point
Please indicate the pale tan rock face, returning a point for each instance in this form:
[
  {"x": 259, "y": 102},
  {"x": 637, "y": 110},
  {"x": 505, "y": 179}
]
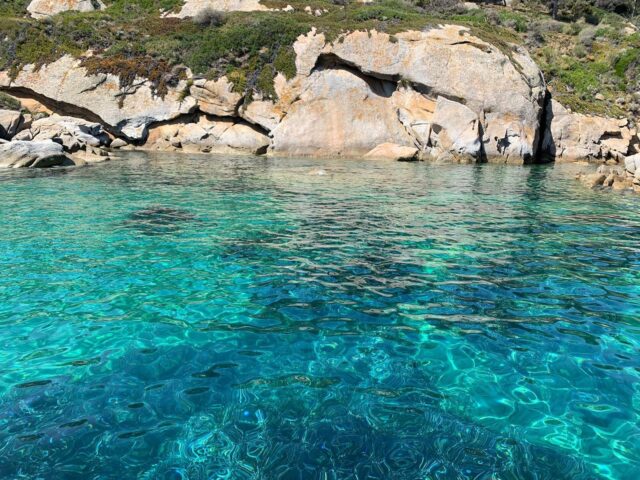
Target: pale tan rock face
[
  {"x": 216, "y": 97},
  {"x": 415, "y": 112},
  {"x": 451, "y": 63},
  {"x": 572, "y": 136},
  {"x": 455, "y": 131},
  {"x": 308, "y": 48},
  {"x": 339, "y": 113},
  {"x": 263, "y": 113},
  {"x": 192, "y": 8},
  {"x": 46, "y": 8},
  {"x": 99, "y": 97},
  {"x": 207, "y": 135}
]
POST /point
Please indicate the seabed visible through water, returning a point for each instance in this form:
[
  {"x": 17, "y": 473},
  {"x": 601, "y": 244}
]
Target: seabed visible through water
[{"x": 176, "y": 317}]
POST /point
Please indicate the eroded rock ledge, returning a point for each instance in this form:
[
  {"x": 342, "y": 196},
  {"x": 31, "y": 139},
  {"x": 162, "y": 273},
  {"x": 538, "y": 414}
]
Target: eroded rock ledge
[{"x": 442, "y": 93}]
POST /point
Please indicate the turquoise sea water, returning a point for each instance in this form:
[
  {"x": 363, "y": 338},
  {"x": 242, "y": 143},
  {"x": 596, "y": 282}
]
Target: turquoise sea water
[{"x": 174, "y": 317}]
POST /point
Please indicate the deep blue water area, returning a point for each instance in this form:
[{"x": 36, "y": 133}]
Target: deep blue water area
[{"x": 177, "y": 317}]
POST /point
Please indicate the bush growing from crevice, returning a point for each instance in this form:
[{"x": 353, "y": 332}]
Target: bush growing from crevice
[
  {"x": 159, "y": 75},
  {"x": 210, "y": 18}
]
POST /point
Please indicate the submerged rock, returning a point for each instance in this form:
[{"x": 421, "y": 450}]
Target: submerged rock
[
  {"x": 44, "y": 154},
  {"x": 159, "y": 219},
  {"x": 592, "y": 180}
]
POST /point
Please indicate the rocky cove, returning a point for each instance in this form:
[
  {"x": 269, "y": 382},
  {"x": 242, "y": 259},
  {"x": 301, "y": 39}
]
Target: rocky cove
[{"x": 440, "y": 94}]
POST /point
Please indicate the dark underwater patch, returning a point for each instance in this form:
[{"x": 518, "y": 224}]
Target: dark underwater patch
[{"x": 159, "y": 219}]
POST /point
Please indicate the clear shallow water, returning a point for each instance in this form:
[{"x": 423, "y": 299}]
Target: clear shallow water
[{"x": 208, "y": 318}]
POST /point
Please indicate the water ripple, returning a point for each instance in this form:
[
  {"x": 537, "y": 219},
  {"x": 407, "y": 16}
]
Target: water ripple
[{"x": 236, "y": 318}]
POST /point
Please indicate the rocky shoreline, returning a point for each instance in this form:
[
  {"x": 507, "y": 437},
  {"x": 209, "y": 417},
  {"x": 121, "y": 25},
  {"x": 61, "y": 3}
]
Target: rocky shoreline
[{"x": 440, "y": 95}]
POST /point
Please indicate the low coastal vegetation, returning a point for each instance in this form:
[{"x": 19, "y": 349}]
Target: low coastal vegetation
[{"x": 590, "y": 54}]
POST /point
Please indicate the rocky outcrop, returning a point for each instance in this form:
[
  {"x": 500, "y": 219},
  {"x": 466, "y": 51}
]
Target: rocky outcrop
[
  {"x": 19, "y": 154},
  {"x": 442, "y": 92},
  {"x": 68, "y": 88},
  {"x": 46, "y": 8},
  {"x": 72, "y": 133},
  {"x": 207, "y": 135},
  {"x": 368, "y": 88},
  {"x": 505, "y": 91},
  {"x": 193, "y": 8},
  {"x": 363, "y": 90},
  {"x": 570, "y": 136},
  {"x": 11, "y": 122}
]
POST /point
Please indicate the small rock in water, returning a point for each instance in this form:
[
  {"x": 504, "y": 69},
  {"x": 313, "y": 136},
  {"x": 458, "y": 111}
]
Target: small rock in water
[
  {"x": 118, "y": 143},
  {"x": 317, "y": 171},
  {"x": 593, "y": 179}
]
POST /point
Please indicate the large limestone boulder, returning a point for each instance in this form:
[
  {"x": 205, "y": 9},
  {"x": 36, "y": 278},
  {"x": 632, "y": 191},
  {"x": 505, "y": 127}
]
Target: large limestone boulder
[
  {"x": 19, "y": 154},
  {"x": 69, "y": 88},
  {"x": 368, "y": 88},
  {"x": 72, "y": 133},
  {"x": 337, "y": 112},
  {"x": 46, "y": 8},
  {"x": 208, "y": 135},
  {"x": 571, "y": 136},
  {"x": 505, "y": 91},
  {"x": 193, "y": 8},
  {"x": 11, "y": 122}
]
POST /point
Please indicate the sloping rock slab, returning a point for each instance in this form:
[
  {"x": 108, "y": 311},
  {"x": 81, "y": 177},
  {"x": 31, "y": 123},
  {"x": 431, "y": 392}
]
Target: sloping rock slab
[
  {"x": 99, "y": 98},
  {"x": 21, "y": 154},
  {"x": 505, "y": 91}
]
